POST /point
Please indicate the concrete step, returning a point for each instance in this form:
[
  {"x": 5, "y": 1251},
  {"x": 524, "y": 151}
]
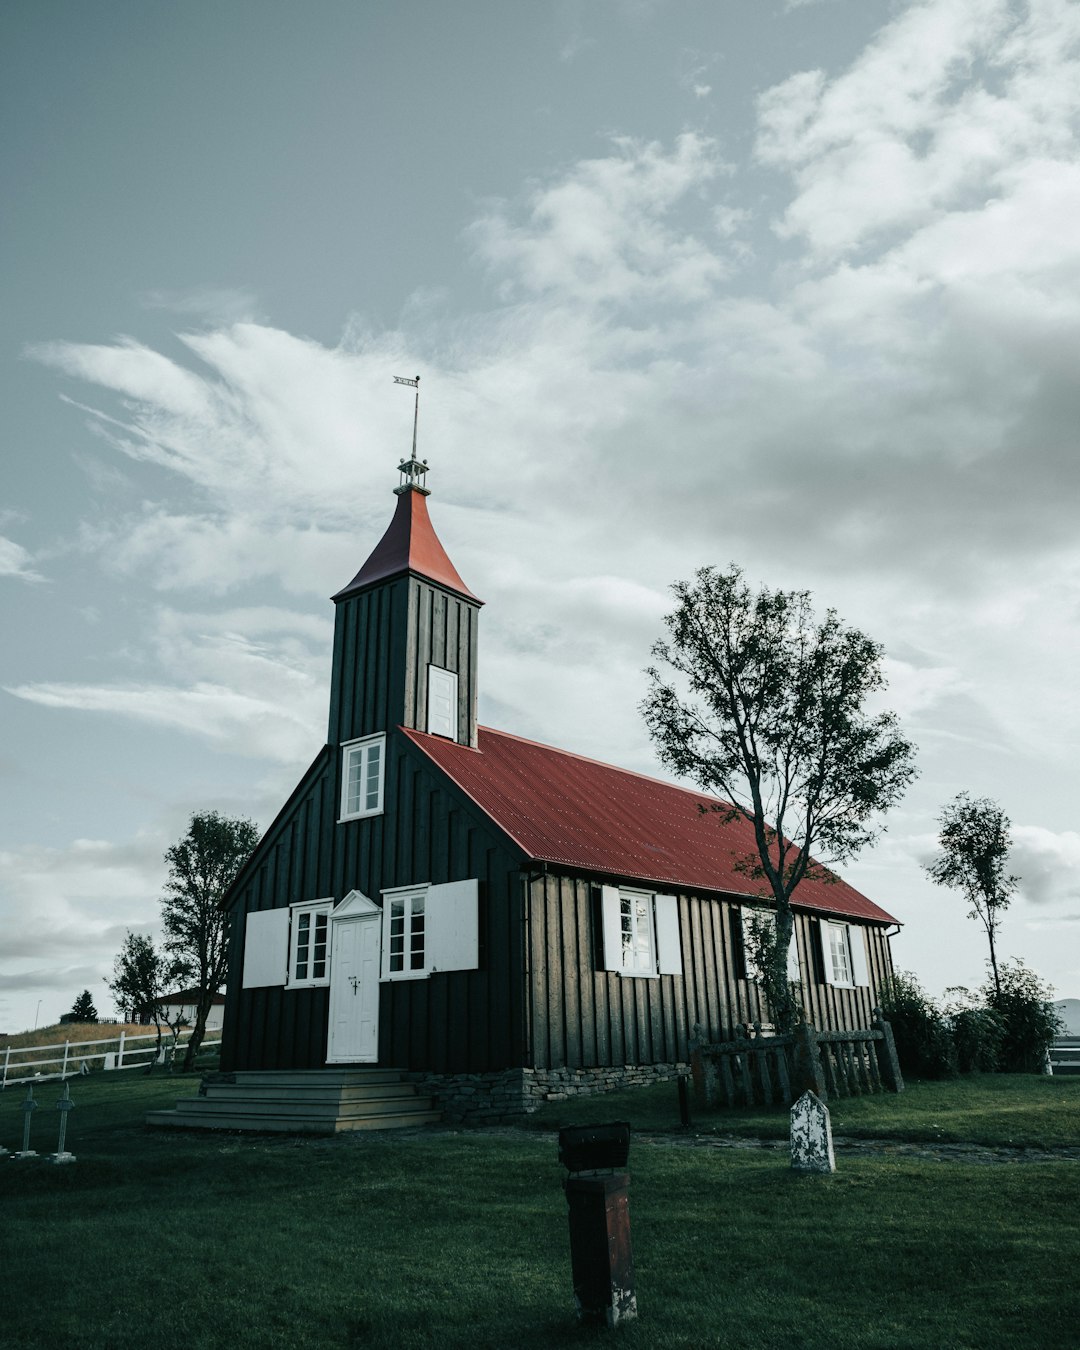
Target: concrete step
[
  {"x": 266, "y": 1124},
  {"x": 313, "y": 1094},
  {"x": 317, "y": 1101},
  {"x": 373, "y": 1106},
  {"x": 313, "y": 1079}
]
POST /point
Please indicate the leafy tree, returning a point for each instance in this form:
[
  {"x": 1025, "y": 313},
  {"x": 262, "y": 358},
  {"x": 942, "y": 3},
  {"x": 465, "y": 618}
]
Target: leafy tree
[
  {"x": 141, "y": 975},
  {"x": 974, "y": 857},
  {"x": 83, "y": 1010},
  {"x": 764, "y": 704},
  {"x": 202, "y": 866},
  {"x": 1023, "y": 1004},
  {"x": 924, "y": 1044}
]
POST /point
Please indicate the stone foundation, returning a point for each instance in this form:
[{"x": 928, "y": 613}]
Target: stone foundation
[{"x": 501, "y": 1098}]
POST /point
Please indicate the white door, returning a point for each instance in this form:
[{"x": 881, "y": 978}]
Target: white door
[{"x": 354, "y": 991}]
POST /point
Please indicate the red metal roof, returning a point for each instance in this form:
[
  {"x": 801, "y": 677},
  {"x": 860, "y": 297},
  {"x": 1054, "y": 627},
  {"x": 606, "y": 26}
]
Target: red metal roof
[
  {"x": 562, "y": 808},
  {"x": 410, "y": 544}
]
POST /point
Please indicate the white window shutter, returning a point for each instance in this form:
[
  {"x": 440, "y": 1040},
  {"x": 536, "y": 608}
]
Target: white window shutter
[
  {"x": 668, "y": 940},
  {"x": 451, "y": 926},
  {"x": 266, "y": 948},
  {"x": 857, "y": 950},
  {"x": 611, "y": 914}
]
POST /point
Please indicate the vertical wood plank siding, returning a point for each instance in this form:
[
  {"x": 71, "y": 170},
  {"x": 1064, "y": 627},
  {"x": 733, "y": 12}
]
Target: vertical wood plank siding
[
  {"x": 384, "y": 640},
  {"x": 583, "y": 1016},
  {"x": 453, "y": 1022}
]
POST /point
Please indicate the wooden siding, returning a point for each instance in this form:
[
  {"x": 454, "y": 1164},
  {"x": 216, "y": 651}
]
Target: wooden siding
[
  {"x": 455, "y": 1021},
  {"x": 582, "y": 1016},
  {"x": 384, "y": 640}
]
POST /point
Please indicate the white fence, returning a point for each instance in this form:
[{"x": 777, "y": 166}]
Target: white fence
[
  {"x": 116, "y": 1052},
  {"x": 1065, "y": 1055}
]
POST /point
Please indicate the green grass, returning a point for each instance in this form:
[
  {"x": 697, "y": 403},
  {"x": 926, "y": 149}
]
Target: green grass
[
  {"x": 458, "y": 1239},
  {"x": 993, "y": 1109}
]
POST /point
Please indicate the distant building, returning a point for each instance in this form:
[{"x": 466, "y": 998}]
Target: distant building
[{"x": 185, "y": 1004}]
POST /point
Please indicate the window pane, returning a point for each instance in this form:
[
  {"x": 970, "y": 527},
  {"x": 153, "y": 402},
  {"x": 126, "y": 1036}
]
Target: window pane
[{"x": 416, "y": 946}]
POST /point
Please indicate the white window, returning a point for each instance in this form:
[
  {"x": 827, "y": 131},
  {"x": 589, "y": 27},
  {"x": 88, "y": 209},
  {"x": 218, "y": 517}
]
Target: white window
[
  {"x": 442, "y": 702},
  {"x": 767, "y": 917},
  {"x": 362, "y": 777},
  {"x": 844, "y": 950},
  {"x": 641, "y": 932},
  {"x": 309, "y": 944},
  {"x": 427, "y": 929},
  {"x": 404, "y": 951},
  {"x": 636, "y": 925}
]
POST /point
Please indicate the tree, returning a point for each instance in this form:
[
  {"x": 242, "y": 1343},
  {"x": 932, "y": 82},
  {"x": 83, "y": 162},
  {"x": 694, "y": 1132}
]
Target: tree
[
  {"x": 83, "y": 1010},
  {"x": 202, "y": 867},
  {"x": 140, "y": 976},
  {"x": 764, "y": 705},
  {"x": 1029, "y": 1019},
  {"x": 974, "y": 857}
]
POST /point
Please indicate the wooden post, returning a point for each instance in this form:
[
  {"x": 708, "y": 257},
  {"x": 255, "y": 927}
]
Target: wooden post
[
  {"x": 601, "y": 1259},
  {"x": 7, "y": 1057},
  {"x": 888, "y": 1063},
  {"x": 29, "y": 1106},
  {"x": 64, "y": 1105},
  {"x": 684, "y": 1103},
  {"x": 63, "y": 1071},
  {"x": 120, "y": 1051},
  {"x": 808, "y": 1076}
]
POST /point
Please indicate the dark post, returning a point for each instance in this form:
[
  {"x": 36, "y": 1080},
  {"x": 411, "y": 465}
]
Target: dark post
[
  {"x": 888, "y": 1061},
  {"x": 601, "y": 1259},
  {"x": 809, "y": 1076},
  {"x": 684, "y": 1103}
]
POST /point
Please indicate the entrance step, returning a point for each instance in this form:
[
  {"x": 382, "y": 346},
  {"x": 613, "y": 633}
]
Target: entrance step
[{"x": 308, "y": 1101}]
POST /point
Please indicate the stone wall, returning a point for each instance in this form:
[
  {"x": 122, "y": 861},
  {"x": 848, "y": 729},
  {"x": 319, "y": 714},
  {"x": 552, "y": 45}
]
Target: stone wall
[{"x": 501, "y": 1098}]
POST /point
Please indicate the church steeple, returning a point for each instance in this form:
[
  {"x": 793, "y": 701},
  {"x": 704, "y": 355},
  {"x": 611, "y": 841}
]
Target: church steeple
[
  {"x": 410, "y": 544},
  {"x": 405, "y": 632}
]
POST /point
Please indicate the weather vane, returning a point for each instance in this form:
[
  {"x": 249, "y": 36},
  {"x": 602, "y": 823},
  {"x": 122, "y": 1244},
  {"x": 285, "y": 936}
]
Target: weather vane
[{"x": 412, "y": 470}]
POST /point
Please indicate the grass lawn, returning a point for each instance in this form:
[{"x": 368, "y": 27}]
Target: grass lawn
[
  {"x": 447, "y": 1238},
  {"x": 994, "y": 1109}
]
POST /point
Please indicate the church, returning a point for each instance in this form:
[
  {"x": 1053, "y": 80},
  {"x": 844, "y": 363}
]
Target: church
[{"x": 490, "y": 918}]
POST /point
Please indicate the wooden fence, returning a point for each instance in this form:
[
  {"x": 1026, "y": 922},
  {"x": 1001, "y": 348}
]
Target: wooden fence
[
  {"x": 117, "y": 1052},
  {"x": 761, "y": 1069}
]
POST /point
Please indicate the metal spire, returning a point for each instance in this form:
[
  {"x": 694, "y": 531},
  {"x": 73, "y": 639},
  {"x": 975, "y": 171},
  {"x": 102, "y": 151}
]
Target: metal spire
[{"x": 412, "y": 470}]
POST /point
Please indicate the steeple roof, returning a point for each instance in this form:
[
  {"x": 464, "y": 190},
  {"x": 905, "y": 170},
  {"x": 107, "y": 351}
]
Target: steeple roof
[{"x": 410, "y": 544}]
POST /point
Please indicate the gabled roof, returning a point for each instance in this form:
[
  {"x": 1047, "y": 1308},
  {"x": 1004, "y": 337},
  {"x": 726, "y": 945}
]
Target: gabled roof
[
  {"x": 564, "y": 809},
  {"x": 410, "y": 544}
]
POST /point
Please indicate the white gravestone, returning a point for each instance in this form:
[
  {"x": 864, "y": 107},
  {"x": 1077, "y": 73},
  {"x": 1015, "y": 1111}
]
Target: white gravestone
[{"x": 811, "y": 1135}]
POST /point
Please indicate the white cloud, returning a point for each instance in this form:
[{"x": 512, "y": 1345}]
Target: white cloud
[
  {"x": 65, "y": 911},
  {"x": 253, "y": 683},
  {"x": 603, "y": 233},
  {"x": 932, "y": 117},
  {"x": 15, "y": 561},
  {"x": 1047, "y": 863},
  {"x": 215, "y": 305}
]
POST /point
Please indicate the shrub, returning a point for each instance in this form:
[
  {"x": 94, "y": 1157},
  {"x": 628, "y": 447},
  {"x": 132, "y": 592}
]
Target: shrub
[
  {"x": 1029, "y": 1019},
  {"x": 924, "y": 1045},
  {"x": 977, "y": 1033}
]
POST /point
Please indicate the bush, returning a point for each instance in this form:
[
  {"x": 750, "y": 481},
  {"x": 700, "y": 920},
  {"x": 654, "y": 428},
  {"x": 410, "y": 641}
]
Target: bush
[
  {"x": 1028, "y": 1018},
  {"x": 924, "y": 1044},
  {"x": 977, "y": 1033}
]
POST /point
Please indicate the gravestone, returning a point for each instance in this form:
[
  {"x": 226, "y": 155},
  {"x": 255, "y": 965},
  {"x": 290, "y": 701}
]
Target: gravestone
[{"x": 811, "y": 1135}]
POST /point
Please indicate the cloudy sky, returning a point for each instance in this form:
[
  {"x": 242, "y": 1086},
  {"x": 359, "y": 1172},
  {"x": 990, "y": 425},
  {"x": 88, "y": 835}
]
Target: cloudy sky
[{"x": 794, "y": 283}]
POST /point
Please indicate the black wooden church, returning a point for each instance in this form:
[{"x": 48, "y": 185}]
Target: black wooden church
[{"x": 488, "y": 914}]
